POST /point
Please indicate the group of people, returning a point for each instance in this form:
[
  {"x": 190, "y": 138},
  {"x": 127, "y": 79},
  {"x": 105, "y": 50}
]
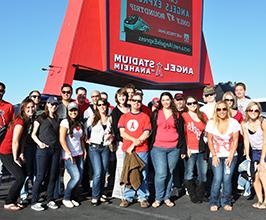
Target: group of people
[{"x": 173, "y": 139}]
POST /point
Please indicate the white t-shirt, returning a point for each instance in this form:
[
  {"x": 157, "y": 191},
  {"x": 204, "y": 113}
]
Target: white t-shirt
[
  {"x": 223, "y": 142},
  {"x": 242, "y": 105},
  {"x": 208, "y": 109},
  {"x": 73, "y": 143}
]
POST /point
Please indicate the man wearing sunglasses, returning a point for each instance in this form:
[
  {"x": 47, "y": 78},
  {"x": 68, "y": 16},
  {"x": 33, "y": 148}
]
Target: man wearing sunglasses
[
  {"x": 209, "y": 96},
  {"x": 6, "y": 115},
  {"x": 135, "y": 128},
  {"x": 66, "y": 93}
]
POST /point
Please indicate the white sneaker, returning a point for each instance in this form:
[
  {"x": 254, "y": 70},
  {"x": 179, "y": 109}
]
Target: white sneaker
[
  {"x": 52, "y": 205},
  {"x": 68, "y": 203},
  {"x": 37, "y": 207},
  {"x": 75, "y": 203}
]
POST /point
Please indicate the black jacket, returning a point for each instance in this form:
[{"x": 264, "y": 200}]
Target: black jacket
[{"x": 179, "y": 128}]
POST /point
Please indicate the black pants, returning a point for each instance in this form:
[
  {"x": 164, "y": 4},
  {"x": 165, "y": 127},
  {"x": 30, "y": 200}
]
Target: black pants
[
  {"x": 46, "y": 159},
  {"x": 19, "y": 174}
]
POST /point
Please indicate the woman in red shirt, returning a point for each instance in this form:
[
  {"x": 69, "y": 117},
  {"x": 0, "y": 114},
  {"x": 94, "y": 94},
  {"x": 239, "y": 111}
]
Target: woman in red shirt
[
  {"x": 195, "y": 122},
  {"x": 167, "y": 141},
  {"x": 11, "y": 151}
]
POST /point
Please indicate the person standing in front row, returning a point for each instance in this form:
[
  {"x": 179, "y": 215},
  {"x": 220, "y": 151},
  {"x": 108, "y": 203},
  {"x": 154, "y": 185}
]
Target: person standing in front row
[
  {"x": 72, "y": 140},
  {"x": 12, "y": 152},
  {"x": 167, "y": 140},
  {"x": 46, "y": 135},
  {"x": 223, "y": 132},
  {"x": 195, "y": 122},
  {"x": 254, "y": 128},
  {"x": 135, "y": 129}
]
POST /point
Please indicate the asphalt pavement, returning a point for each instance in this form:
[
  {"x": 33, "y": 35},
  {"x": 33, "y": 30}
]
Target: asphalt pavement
[{"x": 183, "y": 210}]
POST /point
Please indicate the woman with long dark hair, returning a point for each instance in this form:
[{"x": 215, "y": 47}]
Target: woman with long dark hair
[
  {"x": 72, "y": 139},
  {"x": 99, "y": 139},
  {"x": 223, "y": 132},
  {"x": 167, "y": 140},
  {"x": 195, "y": 122},
  {"x": 12, "y": 151},
  {"x": 46, "y": 135}
]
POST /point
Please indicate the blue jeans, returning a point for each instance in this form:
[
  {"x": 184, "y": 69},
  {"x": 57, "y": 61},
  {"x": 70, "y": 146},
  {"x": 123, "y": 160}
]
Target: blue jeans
[
  {"x": 46, "y": 160},
  {"x": 164, "y": 161},
  {"x": 75, "y": 171},
  {"x": 143, "y": 191},
  {"x": 221, "y": 179},
  {"x": 202, "y": 166},
  {"x": 99, "y": 157}
]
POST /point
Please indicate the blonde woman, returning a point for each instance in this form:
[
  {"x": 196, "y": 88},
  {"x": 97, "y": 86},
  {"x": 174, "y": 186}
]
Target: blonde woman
[
  {"x": 254, "y": 128},
  {"x": 223, "y": 134}
]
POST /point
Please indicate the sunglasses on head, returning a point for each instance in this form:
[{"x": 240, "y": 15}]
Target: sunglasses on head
[
  {"x": 229, "y": 100},
  {"x": 35, "y": 96},
  {"x": 221, "y": 109},
  {"x": 66, "y": 92},
  {"x": 207, "y": 95},
  {"x": 253, "y": 110},
  {"x": 136, "y": 100},
  {"x": 192, "y": 103}
]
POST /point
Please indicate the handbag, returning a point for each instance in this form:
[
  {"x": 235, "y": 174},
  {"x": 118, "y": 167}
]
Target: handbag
[{"x": 203, "y": 145}]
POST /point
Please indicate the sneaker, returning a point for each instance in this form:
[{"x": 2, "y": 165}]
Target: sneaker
[
  {"x": 52, "y": 205},
  {"x": 67, "y": 203},
  {"x": 124, "y": 203},
  {"x": 144, "y": 204},
  {"x": 95, "y": 202},
  {"x": 75, "y": 203},
  {"x": 37, "y": 207}
]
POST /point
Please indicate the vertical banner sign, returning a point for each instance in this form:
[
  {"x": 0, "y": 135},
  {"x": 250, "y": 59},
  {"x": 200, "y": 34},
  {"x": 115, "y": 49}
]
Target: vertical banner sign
[
  {"x": 161, "y": 24},
  {"x": 157, "y": 41}
]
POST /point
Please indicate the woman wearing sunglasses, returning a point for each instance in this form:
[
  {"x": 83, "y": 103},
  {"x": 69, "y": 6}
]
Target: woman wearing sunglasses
[
  {"x": 167, "y": 141},
  {"x": 230, "y": 100},
  {"x": 46, "y": 135},
  {"x": 74, "y": 153},
  {"x": 195, "y": 122},
  {"x": 223, "y": 132},
  {"x": 99, "y": 139},
  {"x": 254, "y": 128}
]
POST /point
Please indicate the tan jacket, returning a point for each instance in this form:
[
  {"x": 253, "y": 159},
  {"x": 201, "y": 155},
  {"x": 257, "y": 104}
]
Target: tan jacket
[{"x": 131, "y": 174}]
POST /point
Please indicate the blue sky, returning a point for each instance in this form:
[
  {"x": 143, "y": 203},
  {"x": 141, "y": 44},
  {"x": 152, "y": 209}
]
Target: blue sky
[{"x": 234, "y": 31}]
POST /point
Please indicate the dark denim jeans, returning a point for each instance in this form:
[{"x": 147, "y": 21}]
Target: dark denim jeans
[
  {"x": 164, "y": 161},
  {"x": 46, "y": 160},
  {"x": 75, "y": 171},
  {"x": 99, "y": 157},
  {"x": 202, "y": 166},
  {"x": 19, "y": 174},
  {"x": 222, "y": 180},
  {"x": 30, "y": 166}
]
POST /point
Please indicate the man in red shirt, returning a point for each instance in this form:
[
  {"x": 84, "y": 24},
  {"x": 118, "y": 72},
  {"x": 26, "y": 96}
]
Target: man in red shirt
[
  {"x": 6, "y": 115},
  {"x": 81, "y": 100},
  {"x": 135, "y": 129}
]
